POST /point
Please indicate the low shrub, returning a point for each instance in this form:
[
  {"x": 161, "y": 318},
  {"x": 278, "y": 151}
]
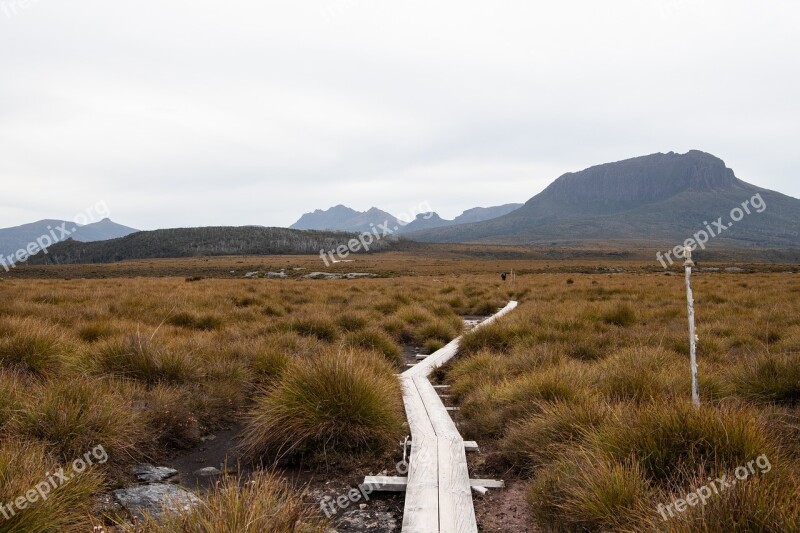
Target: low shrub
[{"x": 168, "y": 415}]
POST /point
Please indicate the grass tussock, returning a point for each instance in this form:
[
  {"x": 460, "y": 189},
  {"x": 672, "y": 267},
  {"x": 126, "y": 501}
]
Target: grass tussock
[
  {"x": 262, "y": 503},
  {"x": 771, "y": 378},
  {"x": 34, "y": 347},
  {"x": 374, "y": 339},
  {"x": 191, "y": 321},
  {"x": 146, "y": 359},
  {"x": 23, "y": 466},
  {"x": 622, "y": 315},
  {"x": 337, "y": 403},
  {"x": 585, "y": 491},
  {"x": 73, "y": 416}
]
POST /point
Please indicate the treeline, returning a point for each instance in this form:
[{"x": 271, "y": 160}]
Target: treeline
[{"x": 198, "y": 242}]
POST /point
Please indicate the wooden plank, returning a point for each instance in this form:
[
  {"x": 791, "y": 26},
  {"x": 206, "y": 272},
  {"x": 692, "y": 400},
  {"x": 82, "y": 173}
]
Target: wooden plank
[
  {"x": 422, "y": 501},
  {"x": 456, "y": 512},
  {"x": 399, "y": 483},
  {"x": 469, "y": 446},
  {"x": 488, "y": 483},
  {"x": 438, "y": 488}
]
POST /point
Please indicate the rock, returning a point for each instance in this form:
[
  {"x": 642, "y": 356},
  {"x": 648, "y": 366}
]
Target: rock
[
  {"x": 734, "y": 269},
  {"x": 156, "y": 499},
  {"x": 322, "y": 275},
  {"x": 208, "y": 472},
  {"x": 153, "y": 474},
  {"x": 358, "y": 275},
  {"x": 251, "y": 275},
  {"x": 276, "y": 275}
]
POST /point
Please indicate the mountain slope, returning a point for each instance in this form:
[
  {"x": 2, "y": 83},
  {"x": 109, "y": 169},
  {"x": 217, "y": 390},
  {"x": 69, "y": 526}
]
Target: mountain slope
[
  {"x": 479, "y": 214},
  {"x": 19, "y": 237},
  {"x": 664, "y": 197}
]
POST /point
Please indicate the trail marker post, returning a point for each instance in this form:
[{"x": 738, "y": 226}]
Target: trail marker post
[{"x": 688, "y": 264}]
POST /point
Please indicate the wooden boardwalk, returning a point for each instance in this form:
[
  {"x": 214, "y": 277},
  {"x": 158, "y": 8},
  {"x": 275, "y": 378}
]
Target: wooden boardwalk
[{"x": 438, "y": 493}]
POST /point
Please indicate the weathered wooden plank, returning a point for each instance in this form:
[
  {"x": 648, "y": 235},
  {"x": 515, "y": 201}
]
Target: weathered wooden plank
[
  {"x": 438, "y": 488},
  {"x": 399, "y": 483},
  {"x": 469, "y": 446},
  {"x": 456, "y": 512},
  {"x": 421, "y": 512}
]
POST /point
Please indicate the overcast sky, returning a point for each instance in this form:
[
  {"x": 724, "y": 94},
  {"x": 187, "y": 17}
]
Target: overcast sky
[{"x": 193, "y": 112}]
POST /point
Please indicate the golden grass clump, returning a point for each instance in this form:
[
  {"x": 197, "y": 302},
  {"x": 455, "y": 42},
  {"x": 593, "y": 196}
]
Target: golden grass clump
[
  {"x": 585, "y": 491},
  {"x": 262, "y": 503},
  {"x": 72, "y": 416},
  {"x": 768, "y": 378},
  {"x": 144, "y": 358},
  {"x": 545, "y": 435},
  {"x": 336, "y": 403},
  {"x": 374, "y": 339},
  {"x": 26, "y": 465},
  {"x": 671, "y": 439},
  {"x": 33, "y": 347}
]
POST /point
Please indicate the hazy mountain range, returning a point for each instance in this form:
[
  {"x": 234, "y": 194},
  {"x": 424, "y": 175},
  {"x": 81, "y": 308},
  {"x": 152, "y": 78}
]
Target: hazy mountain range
[
  {"x": 19, "y": 237},
  {"x": 641, "y": 203},
  {"x": 342, "y": 218},
  {"x": 663, "y": 198}
]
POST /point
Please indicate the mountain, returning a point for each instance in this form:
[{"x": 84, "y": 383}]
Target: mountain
[
  {"x": 342, "y": 218},
  {"x": 19, "y": 237},
  {"x": 659, "y": 197},
  {"x": 194, "y": 242},
  {"x": 479, "y": 214}
]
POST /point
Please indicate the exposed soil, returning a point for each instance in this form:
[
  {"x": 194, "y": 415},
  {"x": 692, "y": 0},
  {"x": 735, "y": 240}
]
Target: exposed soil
[{"x": 505, "y": 510}]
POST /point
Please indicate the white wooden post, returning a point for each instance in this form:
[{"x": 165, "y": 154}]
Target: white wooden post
[{"x": 687, "y": 253}]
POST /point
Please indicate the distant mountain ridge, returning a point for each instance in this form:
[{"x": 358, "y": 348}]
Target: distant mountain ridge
[
  {"x": 19, "y": 237},
  {"x": 198, "y": 242},
  {"x": 343, "y": 218},
  {"x": 663, "y": 197}
]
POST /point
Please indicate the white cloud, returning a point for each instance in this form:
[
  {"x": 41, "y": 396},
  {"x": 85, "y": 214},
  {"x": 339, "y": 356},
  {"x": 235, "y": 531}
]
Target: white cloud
[{"x": 194, "y": 112}]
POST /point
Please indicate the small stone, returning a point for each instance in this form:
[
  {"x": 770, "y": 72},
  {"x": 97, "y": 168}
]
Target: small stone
[
  {"x": 153, "y": 474},
  {"x": 156, "y": 499},
  {"x": 208, "y": 471}
]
